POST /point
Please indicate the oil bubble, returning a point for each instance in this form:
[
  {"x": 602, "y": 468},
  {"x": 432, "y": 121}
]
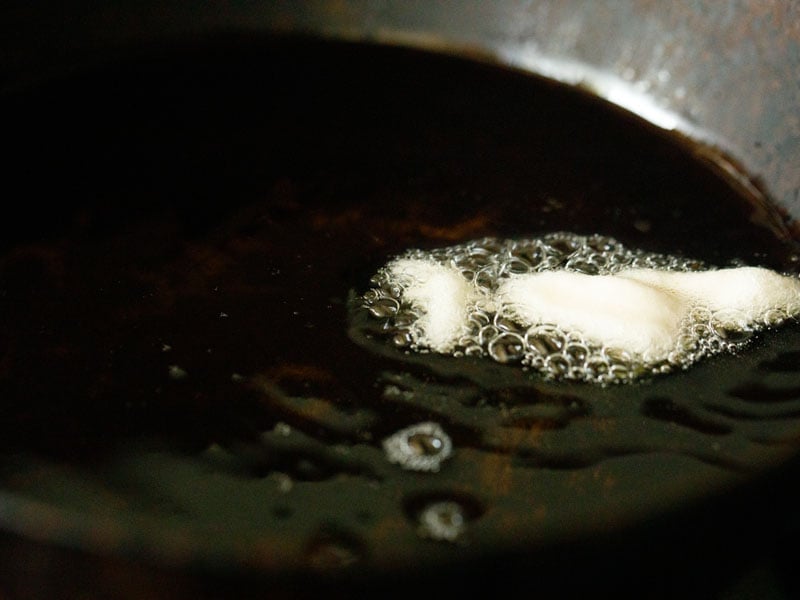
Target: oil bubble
[
  {"x": 507, "y": 348},
  {"x": 384, "y": 307},
  {"x": 442, "y": 521},
  {"x": 177, "y": 373},
  {"x": 421, "y": 447}
]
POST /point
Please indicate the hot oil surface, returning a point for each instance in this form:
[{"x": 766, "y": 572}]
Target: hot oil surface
[{"x": 174, "y": 306}]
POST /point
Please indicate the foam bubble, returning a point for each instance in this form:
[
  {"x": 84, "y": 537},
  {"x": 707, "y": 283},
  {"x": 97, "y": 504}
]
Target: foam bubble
[{"x": 575, "y": 307}]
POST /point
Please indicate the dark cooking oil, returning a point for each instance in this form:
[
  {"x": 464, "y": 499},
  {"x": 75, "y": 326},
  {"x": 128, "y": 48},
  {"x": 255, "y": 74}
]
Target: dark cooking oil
[
  {"x": 207, "y": 213},
  {"x": 193, "y": 225}
]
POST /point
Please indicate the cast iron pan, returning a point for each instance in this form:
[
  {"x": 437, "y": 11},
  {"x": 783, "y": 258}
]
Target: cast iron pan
[{"x": 192, "y": 399}]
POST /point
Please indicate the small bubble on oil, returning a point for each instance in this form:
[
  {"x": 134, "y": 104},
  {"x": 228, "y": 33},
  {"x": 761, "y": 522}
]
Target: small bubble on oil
[
  {"x": 283, "y": 482},
  {"x": 442, "y": 521},
  {"x": 422, "y": 447},
  {"x": 177, "y": 373},
  {"x": 282, "y": 429}
]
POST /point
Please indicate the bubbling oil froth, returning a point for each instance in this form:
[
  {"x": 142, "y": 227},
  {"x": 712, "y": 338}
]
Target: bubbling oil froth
[{"x": 487, "y": 283}]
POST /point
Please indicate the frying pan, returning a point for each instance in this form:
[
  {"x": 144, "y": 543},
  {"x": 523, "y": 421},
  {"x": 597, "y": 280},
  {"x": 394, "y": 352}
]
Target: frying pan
[{"x": 82, "y": 494}]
